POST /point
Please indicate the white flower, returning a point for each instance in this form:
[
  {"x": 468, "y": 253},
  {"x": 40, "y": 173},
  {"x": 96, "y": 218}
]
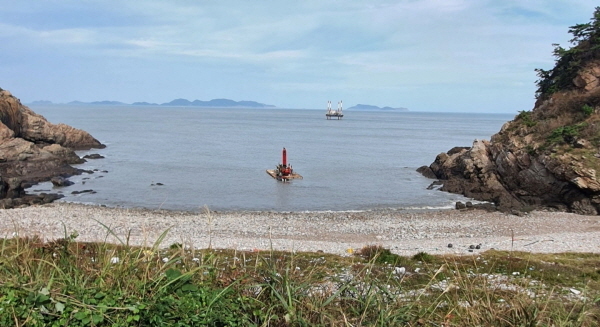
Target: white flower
[
  {"x": 115, "y": 260},
  {"x": 165, "y": 259}
]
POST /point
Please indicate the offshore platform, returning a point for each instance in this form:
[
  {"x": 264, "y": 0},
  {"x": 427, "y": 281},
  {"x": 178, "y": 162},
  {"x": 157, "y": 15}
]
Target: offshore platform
[{"x": 331, "y": 114}]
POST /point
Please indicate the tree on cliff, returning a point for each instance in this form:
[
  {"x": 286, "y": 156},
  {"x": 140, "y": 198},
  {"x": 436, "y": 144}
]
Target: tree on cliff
[
  {"x": 586, "y": 47},
  {"x": 549, "y": 156},
  {"x": 568, "y": 95}
]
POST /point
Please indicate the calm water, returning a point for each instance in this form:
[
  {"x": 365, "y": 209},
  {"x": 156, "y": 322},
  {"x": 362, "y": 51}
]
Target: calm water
[{"x": 218, "y": 157}]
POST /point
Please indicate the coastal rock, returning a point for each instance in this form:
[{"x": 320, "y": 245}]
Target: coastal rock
[
  {"x": 427, "y": 172},
  {"x": 588, "y": 78},
  {"x": 460, "y": 206},
  {"x": 60, "y": 181},
  {"x": 33, "y": 150},
  {"x": 520, "y": 168},
  {"x": 546, "y": 157},
  {"x": 93, "y": 156}
]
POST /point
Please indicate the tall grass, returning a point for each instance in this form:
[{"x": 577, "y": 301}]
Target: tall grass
[{"x": 69, "y": 283}]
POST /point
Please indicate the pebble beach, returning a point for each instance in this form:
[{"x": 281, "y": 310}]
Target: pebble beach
[{"x": 403, "y": 232}]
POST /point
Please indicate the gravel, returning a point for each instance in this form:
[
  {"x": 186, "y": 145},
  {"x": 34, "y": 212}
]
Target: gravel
[{"x": 402, "y": 231}]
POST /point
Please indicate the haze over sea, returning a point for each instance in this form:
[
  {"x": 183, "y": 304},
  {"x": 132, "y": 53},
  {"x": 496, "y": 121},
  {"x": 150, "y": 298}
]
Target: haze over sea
[{"x": 217, "y": 157}]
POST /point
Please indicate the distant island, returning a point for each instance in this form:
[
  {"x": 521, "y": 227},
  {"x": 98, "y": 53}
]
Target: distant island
[
  {"x": 214, "y": 103},
  {"x": 370, "y": 107}
]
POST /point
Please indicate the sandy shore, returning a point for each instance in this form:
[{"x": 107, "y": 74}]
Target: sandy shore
[{"x": 403, "y": 232}]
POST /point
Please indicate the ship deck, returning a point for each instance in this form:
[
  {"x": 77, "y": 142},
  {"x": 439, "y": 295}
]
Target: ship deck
[{"x": 273, "y": 173}]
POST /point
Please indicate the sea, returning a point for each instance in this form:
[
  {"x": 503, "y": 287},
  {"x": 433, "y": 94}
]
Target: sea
[{"x": 193, "y": 158}]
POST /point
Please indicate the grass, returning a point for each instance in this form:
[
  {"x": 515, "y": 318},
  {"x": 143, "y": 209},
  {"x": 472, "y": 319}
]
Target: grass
[{"x": 70, "y": 283}]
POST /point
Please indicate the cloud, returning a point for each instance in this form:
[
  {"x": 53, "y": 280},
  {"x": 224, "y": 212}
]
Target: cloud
[{"x": 361, "y": 50}]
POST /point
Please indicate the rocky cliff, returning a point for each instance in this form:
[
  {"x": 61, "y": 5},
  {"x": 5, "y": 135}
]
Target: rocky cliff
[
  {"x": 34, "y": 150},
  {"x": 548, "y": 156}
]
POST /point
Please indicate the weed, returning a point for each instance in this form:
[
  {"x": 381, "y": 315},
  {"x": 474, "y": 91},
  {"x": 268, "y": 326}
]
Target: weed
[
  {"x": 381, "y": 255},
  {"x": 423, "y": 256},
  {"x": 530, "y": 150},
  {"x": 65, "y": 282}
]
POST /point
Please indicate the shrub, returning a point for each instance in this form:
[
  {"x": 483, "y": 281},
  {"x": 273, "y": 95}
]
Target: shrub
[
  {"x": 424, "y": 257},
  {"x": 380, "y": 255},
  {"x": 530, "y": 149},
  {"x": 525, "y": 117},
  {"x": 566, "y": 134},
  {"x": 587, "y": 110}
]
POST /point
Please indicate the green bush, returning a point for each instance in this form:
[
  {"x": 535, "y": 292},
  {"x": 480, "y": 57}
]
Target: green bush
[
  {"x": 565, "y": 134},
  {"x": 424, "y": 257},
  {"x": 525, "y": 117},
  {"x": 587, "y": 110},
  {"x": 530, "y": 149},
  {"x": 381, "y": 255}
]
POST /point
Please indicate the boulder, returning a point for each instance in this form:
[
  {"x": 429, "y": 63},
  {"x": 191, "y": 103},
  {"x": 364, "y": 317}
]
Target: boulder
[
  {"x": 34, "y": 150},
  {"x": 520, "y": 168},
  {"x": 427, "y": 172},
  {"x": 588, "y": 78},
  {"x": 60, "y": 181},
  {"x": 93, "y": 156}
]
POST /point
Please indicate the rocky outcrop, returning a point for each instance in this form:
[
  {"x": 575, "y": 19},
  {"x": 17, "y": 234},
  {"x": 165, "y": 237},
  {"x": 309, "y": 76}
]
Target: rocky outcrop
[
  {"x": 34, "y": 150},
  {"x": 544, "y": 158},
  {"x": 548, "y": 156},
  {"x": 588, "y": 79}
]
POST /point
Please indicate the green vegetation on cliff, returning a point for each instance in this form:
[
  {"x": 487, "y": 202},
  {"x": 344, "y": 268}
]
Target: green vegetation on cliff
[
  {"x": 566, "y": 114},
  {"x": 586, "y": 41},
  {"x": 547, "y": 157}
]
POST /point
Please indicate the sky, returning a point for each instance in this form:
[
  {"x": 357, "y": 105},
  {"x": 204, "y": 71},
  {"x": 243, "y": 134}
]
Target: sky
[{"x": 425, "y": 55}]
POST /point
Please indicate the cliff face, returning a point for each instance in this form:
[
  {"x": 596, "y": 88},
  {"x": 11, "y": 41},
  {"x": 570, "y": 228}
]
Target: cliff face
[
  {"x": 34, "y": 150},
  {"x": 548, "y": 156}
]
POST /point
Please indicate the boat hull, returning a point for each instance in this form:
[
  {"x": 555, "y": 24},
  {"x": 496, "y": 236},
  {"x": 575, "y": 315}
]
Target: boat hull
[
  {"x": 330, "y": 116},
  {"x": 273, "y": 173}
]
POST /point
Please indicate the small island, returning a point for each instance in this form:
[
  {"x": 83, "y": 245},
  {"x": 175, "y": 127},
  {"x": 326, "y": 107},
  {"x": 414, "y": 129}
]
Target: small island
[
  {"x": 214, "y": 103},
  {"x": 373, "y": 108}
]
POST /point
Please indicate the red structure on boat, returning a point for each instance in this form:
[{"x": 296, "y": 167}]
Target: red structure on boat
[{"x": 284, "y": 170}]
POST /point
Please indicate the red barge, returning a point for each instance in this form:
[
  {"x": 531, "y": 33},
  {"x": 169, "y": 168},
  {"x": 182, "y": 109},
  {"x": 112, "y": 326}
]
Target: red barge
[{"x": 283, "y": 172}]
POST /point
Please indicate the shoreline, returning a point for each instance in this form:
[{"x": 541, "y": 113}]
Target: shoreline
[{"x": 404, "y": 232}]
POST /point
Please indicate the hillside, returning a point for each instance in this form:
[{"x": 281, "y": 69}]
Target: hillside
[{"x": 545, "y": 157}]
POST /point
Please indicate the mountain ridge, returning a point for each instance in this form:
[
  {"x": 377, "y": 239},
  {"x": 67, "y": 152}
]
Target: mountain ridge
[
  {"x": 371, "y": 107},
  {"x": 214, "y": 103}
]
